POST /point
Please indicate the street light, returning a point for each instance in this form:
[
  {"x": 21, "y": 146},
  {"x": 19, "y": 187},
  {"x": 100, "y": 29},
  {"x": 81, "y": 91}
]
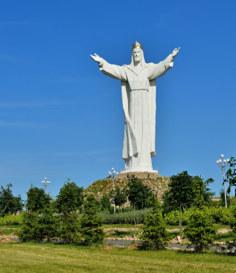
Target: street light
[
  {"x": 222, "y": 162},
  {"x": 113, "y": 173},
  {"x": 45, "y": 183}
]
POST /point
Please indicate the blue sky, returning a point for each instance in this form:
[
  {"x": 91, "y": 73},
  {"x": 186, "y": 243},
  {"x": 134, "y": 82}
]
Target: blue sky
[{"x": 61, "y": 118}]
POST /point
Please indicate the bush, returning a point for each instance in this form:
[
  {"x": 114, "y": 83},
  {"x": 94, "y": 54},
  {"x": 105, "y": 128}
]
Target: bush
[
  {"x": 233, "y": 222},
  {"x": 37, "y": 199},
  {"x": 9, "y": 220},
  {"x": 69, "y": 198},
  {"x": 154, "y": 234},
  {"x": 68, "y": 229},
  {"x": 200, "y": 230},
  {"x": 90, "y": 223},
  {"x": 39, "y": 226},
  {"x": 129, "y": 217}
]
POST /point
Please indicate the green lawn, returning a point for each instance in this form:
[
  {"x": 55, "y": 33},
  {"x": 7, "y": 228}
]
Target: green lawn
[{"x": 42, "y": 258}]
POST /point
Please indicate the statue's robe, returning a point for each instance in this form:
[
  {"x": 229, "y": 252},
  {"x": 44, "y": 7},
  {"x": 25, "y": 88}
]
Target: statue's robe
[{"x": 139, "y": 106}]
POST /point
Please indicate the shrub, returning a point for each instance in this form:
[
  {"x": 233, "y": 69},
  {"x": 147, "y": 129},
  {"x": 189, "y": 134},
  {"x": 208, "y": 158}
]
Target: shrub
[
  {"x": 129, "y": 217},
  {"x": 8, "y": 220},
  {"x": 90, "y": 223},
  {"x": 154, "y": 234},
  {"x": 200, "y": 230},
  {"x": 69, "y": 198},
  {"x": 233, "y": 222},
  {"x": 37, "y": 199},
  {"x": 68, "y": 229}
]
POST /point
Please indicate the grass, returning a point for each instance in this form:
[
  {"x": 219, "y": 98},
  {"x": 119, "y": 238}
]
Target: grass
[{"x": 42, "y": 258}]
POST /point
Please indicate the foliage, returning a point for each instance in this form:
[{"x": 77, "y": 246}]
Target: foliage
[
  {"x": 39, "y": 226},
  {"x": 37, "y": 199},
  {"x": 128, "y": 217},
  {"x": 200, "y": 230},
  {"x": 230, "y": 176},
  {"x": 8, "y": 202},
  {"x": 9, "y": 220},
  {"x": 69, "y": 198},
  {"x": 233, "y": 222},
  {"x": 90, "y": 223},
  {"x": 68, "y": 229},
  {"x": 120, "y": 197},
  {"x": 105, "y": 203},
  {"x": 139, "y": 195},
  {"x": 154, "y": 234},
  {"x": 186, "y": 191}
]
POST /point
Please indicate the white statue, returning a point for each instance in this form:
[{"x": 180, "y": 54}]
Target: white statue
[{"x": 138, "y": 81}]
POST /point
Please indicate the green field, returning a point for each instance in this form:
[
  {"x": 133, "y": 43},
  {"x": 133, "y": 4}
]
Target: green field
[{"x": 42, "y": 258}]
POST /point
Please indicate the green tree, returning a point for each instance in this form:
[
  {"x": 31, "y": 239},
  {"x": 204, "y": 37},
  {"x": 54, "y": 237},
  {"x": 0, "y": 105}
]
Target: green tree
[
  {"x": 37, "y": 199},
  {"x": 8, "y": 202},
  {"x": 69, "y": 198},
  {"x": 230, "y": 176},
  {"x": 105, "y": 203},
  {"x": 39, "y": 226},
  {"x": 200, "y": 230},
  {"x": 154, "y": 234},
  {"x": 90, "y": 224},
  {"x": 139, "y": 195},
  {"x": 201, "y": 191},
  {"x": 120, "y": 197},
  {"x": 69, "y": 227}
]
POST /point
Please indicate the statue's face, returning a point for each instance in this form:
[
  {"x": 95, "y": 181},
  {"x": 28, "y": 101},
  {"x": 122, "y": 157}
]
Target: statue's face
[{"x": 137, "y": 55}]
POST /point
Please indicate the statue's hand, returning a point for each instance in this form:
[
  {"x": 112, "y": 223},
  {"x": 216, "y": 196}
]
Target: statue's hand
[
  {"x": 97, "y": 58},
  {"x": 175, "y": 52}
]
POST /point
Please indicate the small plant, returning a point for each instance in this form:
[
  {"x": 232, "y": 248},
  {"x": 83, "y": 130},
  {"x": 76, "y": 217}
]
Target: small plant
[
  {"x": 200, "y": 230},
  {"x": 154, "y": 234}
]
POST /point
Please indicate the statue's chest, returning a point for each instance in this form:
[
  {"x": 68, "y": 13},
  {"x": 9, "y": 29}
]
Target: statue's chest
[{"x": 138, "y": 80}]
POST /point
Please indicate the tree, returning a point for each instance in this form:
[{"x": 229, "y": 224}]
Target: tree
[
  {"x": 186, "y": 191},
  {"x": 37, "y": 199},
  {"x": 105, "y": 203},
  {"x": 90, "y": 223},
  {"x": 200, "y": 230},
  {"x": 119, "y": 197},
  {"x": 39, "y": 226},
  {"x": 69, "y": 198},
  {"x": 201, "y": 192},
  {"x": 8, "y": 202},
  {"x": 230, "y": 176},
  {"x": 139, "y": 195},
  {"x": 154, "y": 234}
]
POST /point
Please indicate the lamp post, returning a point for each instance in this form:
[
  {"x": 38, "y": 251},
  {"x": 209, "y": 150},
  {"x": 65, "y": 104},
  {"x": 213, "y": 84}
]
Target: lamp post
[
  {"x": 113, "y": 173},
  {"x": 222, "y": 163},
  {"x": 45, "y": 183}
]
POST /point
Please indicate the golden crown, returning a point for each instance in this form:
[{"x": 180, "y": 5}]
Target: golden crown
[{"x": 137, "y": 45}]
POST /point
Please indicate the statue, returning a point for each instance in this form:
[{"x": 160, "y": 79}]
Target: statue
[{"x": 138, "y": 87}]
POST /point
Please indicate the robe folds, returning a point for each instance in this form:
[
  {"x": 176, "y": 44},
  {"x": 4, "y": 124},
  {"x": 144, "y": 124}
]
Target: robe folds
[{"x": 138, "y": 87}]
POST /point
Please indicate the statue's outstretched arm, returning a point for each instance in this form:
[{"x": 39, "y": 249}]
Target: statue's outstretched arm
[
  {"x": 159, "y": 69},
  {"x": 112, "y": 70}
]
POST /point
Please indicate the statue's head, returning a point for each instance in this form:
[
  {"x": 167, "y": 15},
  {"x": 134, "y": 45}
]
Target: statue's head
[{"x": 137, "y": 53}]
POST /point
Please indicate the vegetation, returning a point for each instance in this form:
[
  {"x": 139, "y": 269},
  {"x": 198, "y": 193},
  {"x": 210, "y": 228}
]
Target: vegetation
[
  {"x": 9, "y": 203},
  {"x": 154, "y": 234},
  {"x": 69, "y": 198},
  {"x": 90, "y": 223},
  {"x": 231, "y": 174},
  {"x": 200, "y": 230},
  {"x": 139, "y": 195},
  {"x": 127, "y": 217},
  {"x": 37, "y": 199}
]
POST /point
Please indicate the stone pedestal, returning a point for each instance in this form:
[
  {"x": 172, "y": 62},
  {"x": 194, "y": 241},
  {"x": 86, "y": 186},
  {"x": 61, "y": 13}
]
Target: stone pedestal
[{"x": 158, "y": 184}]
